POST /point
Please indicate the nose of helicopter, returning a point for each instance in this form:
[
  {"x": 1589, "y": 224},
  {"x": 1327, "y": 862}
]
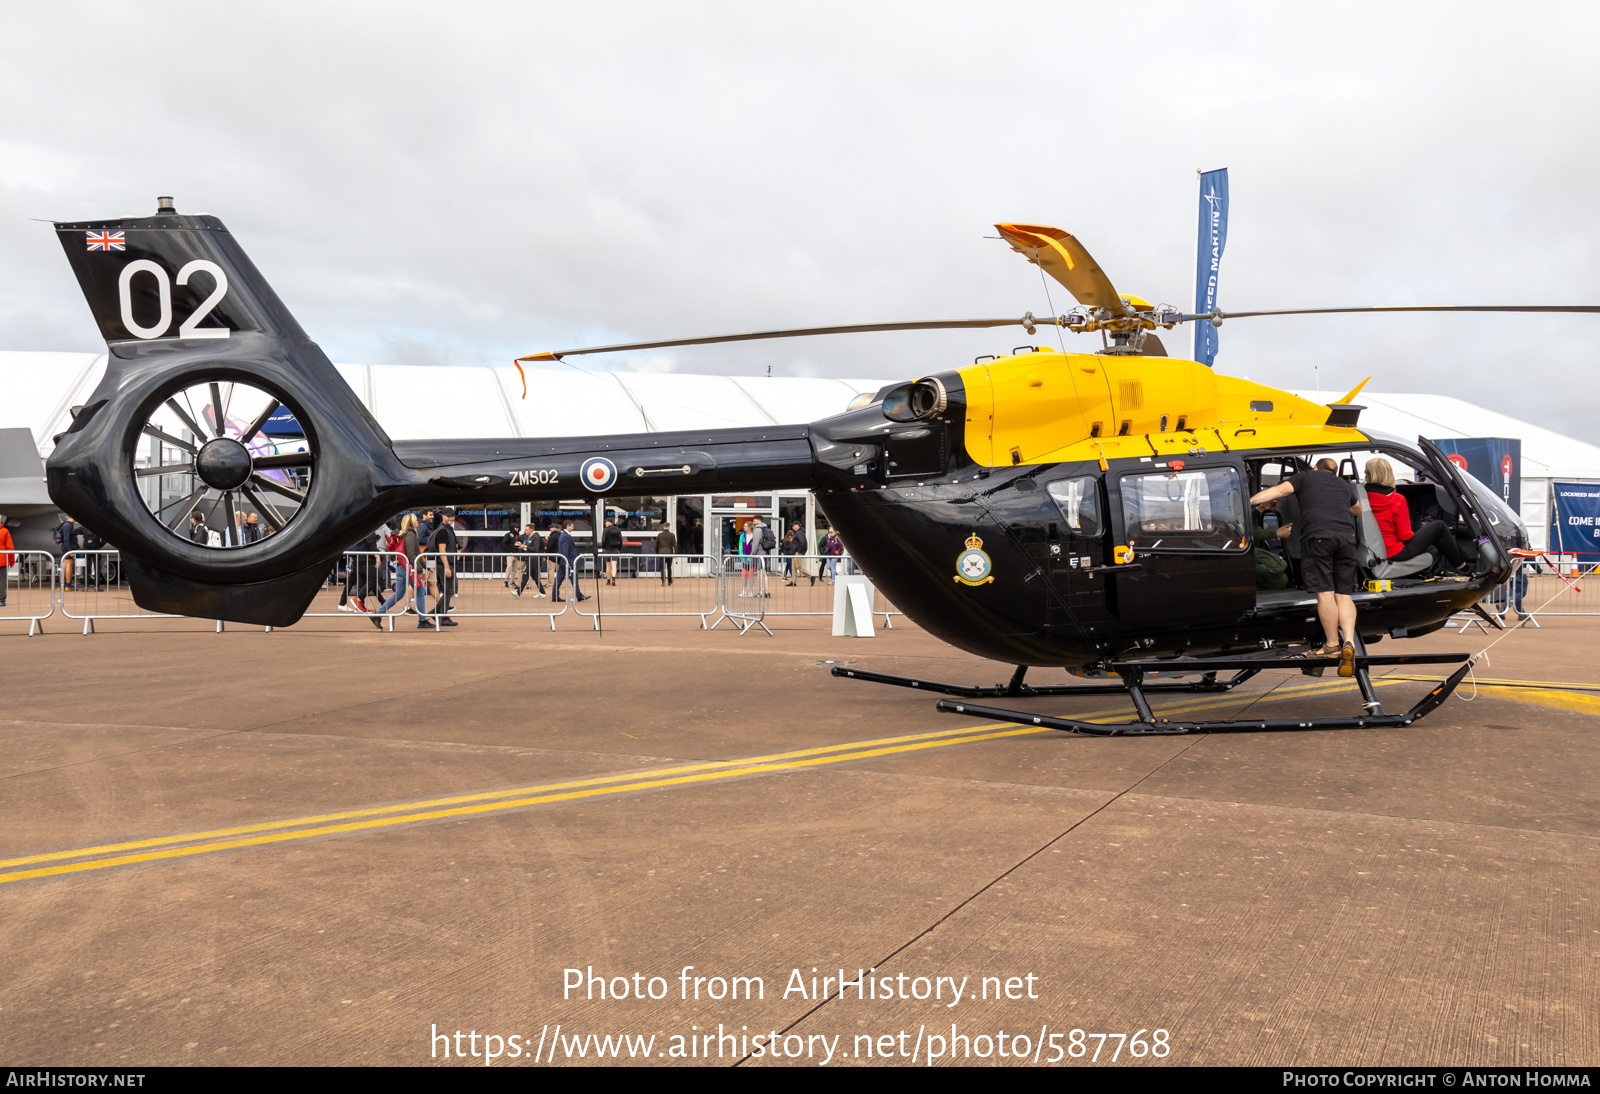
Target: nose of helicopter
[{"x": 223, "y": 463}]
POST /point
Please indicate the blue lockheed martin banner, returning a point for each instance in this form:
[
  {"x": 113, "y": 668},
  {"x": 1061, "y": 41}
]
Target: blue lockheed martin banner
[
  {"x": 283, "y": 424},
  {"x": 1208, "y": 259},
  {"x": 1575, "y": 526}
]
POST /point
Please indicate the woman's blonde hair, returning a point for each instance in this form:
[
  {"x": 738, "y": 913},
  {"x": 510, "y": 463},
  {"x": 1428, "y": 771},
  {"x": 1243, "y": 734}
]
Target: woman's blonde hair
[
  {"x": 408, "y": 523},
  {"x": 1379, "y": 472}
]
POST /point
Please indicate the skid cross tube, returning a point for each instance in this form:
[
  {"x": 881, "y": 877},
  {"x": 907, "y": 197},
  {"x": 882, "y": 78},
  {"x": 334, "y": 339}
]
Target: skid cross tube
[
  {"x": 1016, "y": 688},
  {"x": 1149, "y": 725}
]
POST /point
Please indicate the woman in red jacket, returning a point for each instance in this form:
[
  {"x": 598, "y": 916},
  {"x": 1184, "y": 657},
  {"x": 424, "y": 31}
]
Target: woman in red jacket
[
  {"x": 1394, "y": 520},
  {"x": 6, "y": 558}
]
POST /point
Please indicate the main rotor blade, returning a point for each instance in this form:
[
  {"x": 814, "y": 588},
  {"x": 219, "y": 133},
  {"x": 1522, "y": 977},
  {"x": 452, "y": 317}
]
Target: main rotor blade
[
  {"x": 1555, "y": 308},
  {"x": 282, "y": 459},
  {"x": 796, "y": 332},
  {"x": 1065, "y": 259},
  {"x": 261, "y": 420}
]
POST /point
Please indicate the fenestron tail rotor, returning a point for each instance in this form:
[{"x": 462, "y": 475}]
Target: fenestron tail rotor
[{"x": 211, "y": 457}]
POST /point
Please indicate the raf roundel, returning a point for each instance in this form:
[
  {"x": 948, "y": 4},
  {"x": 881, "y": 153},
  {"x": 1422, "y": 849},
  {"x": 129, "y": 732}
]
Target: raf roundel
[{"x": 598, "y": 473}]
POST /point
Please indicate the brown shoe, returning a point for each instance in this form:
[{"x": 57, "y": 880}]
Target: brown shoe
[{"x": 1347, "y": 660}]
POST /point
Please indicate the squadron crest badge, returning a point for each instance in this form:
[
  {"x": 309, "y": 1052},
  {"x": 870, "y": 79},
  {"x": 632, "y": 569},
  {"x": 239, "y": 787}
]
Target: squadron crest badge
[{"x": 972, "y": 565}]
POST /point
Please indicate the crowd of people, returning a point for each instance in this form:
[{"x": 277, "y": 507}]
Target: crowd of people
[
  {"x": 757, "y": 541},
  {"x": 427, "y": 546},
  {"x": 427, "y": 549},
  {"x": 245, "y": 530},
  {"x": 97, "y": 571}
]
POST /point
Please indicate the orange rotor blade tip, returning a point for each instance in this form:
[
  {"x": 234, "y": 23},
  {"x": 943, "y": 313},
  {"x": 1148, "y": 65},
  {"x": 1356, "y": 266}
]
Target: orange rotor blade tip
[{"x": 524, "y": 375}]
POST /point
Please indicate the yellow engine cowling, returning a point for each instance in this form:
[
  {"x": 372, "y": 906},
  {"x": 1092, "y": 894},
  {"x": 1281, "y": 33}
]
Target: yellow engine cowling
[{"x": 1048, "y": 407}]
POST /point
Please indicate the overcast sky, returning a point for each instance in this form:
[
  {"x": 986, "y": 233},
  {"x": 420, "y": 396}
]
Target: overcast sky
[{"x": 463, "y": 183}]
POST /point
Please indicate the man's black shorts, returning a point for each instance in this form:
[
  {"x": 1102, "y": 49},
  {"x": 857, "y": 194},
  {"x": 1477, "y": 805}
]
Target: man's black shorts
[{"x": 1330, "y": 564}]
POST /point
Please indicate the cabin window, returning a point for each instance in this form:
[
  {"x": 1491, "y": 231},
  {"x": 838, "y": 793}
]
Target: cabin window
[
  {"x": 1185, "y": 510},
  {"x": 1079, "y": 502}
]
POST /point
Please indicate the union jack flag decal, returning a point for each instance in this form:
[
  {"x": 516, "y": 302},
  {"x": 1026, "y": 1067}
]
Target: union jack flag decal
[{"x": 107, "y": 241}]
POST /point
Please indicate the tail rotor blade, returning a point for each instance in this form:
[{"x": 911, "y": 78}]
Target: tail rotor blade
[
  {"x": 218, "y": 418},
  {"x": 265, "y": 508},
  {"x": 261, "y": 420},
  {"x": 183, "y": 416},
  {"x": 185, "y": 506}
]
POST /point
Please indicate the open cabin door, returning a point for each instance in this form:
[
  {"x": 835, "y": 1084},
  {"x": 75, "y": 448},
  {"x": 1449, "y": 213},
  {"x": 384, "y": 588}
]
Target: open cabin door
[
  {"x": 1477, "y": 520},
  {"x": 1190, "y": 533}
]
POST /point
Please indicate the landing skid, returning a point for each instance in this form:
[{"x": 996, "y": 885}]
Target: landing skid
[
  {"x": 1132, "y": 674},
  {"x": 1016, "y": 688}
]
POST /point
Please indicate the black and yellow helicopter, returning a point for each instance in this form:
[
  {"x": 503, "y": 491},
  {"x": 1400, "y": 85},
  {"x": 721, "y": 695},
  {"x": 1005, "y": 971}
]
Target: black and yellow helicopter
[{"x": 1079, "y": 510}]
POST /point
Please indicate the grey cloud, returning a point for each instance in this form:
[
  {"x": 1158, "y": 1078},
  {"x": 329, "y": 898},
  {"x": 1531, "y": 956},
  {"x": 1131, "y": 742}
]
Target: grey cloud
[{"x": 463, "y": 183}]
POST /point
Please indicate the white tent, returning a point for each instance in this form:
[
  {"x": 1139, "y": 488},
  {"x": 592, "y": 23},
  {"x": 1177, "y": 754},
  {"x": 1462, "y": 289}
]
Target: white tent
[
  {"x": 487, "y": 401},
  {"x": 448, "y": 401}
]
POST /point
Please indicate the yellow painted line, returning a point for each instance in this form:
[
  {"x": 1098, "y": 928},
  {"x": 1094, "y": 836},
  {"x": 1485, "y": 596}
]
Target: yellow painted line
[
  {"x": 600, "y": 780},
  {"x": 1564, "y": 685},
  {"x": 492, "y": 807},
  {"x": 1561, "y": 694},
  {"x": 489, "y": 795},
  {"x": 1296, "y": 691},
  {"x": 1562, "y": 700},
  {"x": 354, "y": 820}
]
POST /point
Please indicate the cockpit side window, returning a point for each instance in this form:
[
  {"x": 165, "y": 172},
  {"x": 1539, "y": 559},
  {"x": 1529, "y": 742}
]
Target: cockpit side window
[{"x": 1079, "y": 502}]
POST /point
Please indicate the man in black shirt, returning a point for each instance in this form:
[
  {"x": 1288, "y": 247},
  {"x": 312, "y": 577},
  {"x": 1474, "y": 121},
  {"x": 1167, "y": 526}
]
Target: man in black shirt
[
  {"x": 611, "y": 544},
  {"x": 1328, "y": 545},
  {"x": 444, "y": 544}
]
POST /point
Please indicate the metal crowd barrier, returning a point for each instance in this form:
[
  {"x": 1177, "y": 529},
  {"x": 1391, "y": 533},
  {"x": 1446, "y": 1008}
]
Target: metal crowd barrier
[
  {"x": 1585, "y": 600},
  {"x": 792, "y": 585},
  {"x": 744, "y": 587},
  {"x": 1543, "y": 591},
  {"x": 482, "y": 585},
  {"x": 91, "y": 586},
  {"x": 369, "y": 577},
  {"x": 642, "y": 587},
  {"x": 28, "y": 588}
]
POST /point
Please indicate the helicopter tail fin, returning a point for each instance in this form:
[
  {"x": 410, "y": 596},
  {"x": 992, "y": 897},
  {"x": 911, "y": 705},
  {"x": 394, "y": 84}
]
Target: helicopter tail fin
[
  {"x": 1353, "y": 392},
  {"x": 172, "y": 278}
]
